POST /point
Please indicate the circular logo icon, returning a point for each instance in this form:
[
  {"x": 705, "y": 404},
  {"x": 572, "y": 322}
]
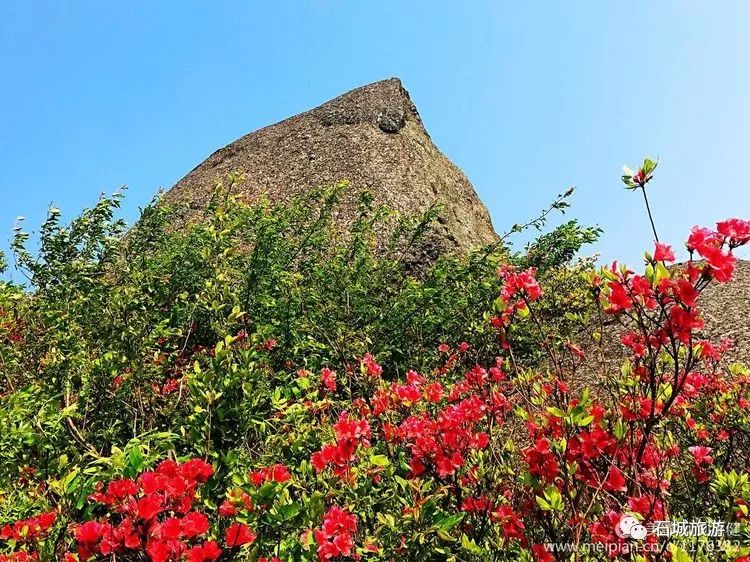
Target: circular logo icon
[
  {"x": 625, "y": 526},
  {"x": 638, "y": 532},
  {"x": 630, "y": 528}
]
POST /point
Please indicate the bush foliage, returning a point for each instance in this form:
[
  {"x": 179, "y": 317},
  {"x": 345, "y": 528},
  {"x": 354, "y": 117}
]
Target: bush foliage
[{"x": 261, "y": 385}]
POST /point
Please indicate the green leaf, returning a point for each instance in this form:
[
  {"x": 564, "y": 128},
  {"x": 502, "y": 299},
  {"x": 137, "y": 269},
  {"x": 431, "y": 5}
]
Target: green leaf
[
  {"x": 451, "y": 521},
  {"x": 678, "y": 554},
  {"x": 543, "y": 504},
  {"x": 619, "y": 430},
  {"x": 379, "y": 460},
  {"x": 444, "y": 536},
  {"x": 266, "y": 492},
  {"x": 661, "y": 273},
  {"x": 135, "y": 459},
  {"x": 288, "y": 511},
  {"x": 554, "y": 498},
  {"x": 557, "y": 412},
  {"x": 470, "y": 546},
  {"x": 649, "y": 165}
]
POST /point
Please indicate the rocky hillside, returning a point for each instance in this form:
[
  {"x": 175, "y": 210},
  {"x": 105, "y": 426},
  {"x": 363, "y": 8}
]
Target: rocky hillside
[
  {"x": 372, "y": 136},
  {"x": 726, "y": 310}
]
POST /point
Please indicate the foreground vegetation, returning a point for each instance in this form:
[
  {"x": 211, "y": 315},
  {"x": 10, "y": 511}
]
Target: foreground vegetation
[{"x": 261, "y": 386}]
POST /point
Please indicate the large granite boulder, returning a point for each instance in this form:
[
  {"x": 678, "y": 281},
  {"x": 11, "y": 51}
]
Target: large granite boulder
[{"x": 373, "y": 137}]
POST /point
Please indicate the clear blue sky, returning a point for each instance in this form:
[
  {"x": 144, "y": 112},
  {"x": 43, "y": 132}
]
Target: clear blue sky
[{"x": 526, "y": 99}]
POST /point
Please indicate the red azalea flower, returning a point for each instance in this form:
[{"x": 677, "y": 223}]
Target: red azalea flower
[
  {"x": 370, "y": 366},
  {"x": 701, "y": 238},
  {"x": 90, "y": 532},
  {"x": 701, "y": 455},
  {"x": 227, "y": 509},
  {"x": 158, "y": 550},
  {"x": 335, "y": 537},
  {"x": 276, "y": 473},
  {"x": 664, "y": 253},
  {"x": 541, "y": 554},
  {"x": 122, "y": 488},
  {"x": 149, "y": 506},
  {"x": 618, "y": 298},
  {"x": 206, "y": 552},
  {"x": 328, "y": 379},
  {"x": 197, "y": 469},
  {"x": 238, "y": 534},
  {"x": 737, "y": 230},
  {"x": 720, "y": 262},
  {"x": 194, "y": 524},
  {"x": 433, "y": 392},
  {"x": 171, "y": 528},
  {"x": 615, "y": 481}
]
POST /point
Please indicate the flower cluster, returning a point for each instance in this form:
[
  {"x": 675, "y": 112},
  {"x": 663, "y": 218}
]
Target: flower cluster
[
  {"x": 518, "y": 290},
  {"x": 442, "y": 441},
  {"x": 155, "y": 515},
  {"x": 328, "y": 380},
  {"x": 239, "y": 534},
  {"x": 437, "y": 436},
  {"x": 370, "y": 367},
  {"x": 275, "y": 473},
  {"x": 715, "y": 246},
  {"x": 510, "y": 521},
  {"x": 25, "y": 535},
  {"x": 349, "y": 434},
  {"x": 336, "y": 536}
]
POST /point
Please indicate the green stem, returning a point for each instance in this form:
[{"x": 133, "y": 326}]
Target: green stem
[{"x": 650, "y": 216}]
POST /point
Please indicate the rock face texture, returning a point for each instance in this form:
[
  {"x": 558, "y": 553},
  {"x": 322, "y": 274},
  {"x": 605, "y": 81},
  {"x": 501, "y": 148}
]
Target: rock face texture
[
  {"x": 373, "y": 137},
  {"x": 726, "y": 312}
]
